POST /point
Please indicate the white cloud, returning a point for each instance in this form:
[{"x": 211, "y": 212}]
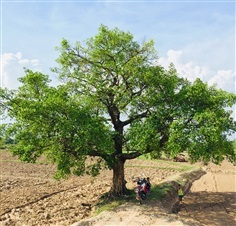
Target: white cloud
[
  {"x": 23, "y": 61},
  {"x": 224, "y": 79},
  {"x": 218, "y": 52},
  {"x": 35, "y": 62},
  {"x": 12, "y": 68},
  {"x": 13, "y": 64}
]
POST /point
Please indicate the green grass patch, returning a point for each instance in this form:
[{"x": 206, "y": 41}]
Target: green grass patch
[
  {"x": 159, "y": 191},
  {"x": 107, "y": 204},
  {"x": 178, "y": 166},
  {"x": 143, "y": 157}
]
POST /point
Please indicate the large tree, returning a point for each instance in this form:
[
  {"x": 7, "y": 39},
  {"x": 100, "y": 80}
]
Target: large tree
[{"x": 115, "y": 104}]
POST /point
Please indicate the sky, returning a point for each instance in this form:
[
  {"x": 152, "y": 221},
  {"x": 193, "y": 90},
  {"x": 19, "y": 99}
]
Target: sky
[{"x": 197, "y": 36}]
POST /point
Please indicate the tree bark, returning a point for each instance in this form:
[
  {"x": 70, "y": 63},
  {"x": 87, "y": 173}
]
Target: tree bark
[{"x": 119, "y": 183}]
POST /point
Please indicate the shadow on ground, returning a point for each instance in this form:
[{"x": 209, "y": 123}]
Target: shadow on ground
[{"x": 209, "y": 208}]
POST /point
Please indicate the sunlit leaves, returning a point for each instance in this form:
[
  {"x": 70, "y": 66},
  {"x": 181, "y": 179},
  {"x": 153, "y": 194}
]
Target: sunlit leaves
[
  {"x": 112, "y": 101},
  {"x": 49, "y": 120}
]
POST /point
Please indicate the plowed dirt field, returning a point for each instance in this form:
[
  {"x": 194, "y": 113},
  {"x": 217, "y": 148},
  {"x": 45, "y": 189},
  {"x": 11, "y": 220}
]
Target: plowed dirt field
[{"x": 30, "y": 196}]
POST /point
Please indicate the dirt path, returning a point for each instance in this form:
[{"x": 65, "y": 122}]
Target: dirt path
[
  {"x": 212, "y": 199},
  {"x": 132, "y": 215},
  {"x": 210, "y": 202}
]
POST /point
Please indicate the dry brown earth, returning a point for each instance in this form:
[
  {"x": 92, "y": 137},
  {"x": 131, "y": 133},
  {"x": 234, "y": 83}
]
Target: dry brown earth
[
  {"x": 29, "y": 196},
  {"x": 210, "y": 202},
  {"x": 212, "y": 199}
]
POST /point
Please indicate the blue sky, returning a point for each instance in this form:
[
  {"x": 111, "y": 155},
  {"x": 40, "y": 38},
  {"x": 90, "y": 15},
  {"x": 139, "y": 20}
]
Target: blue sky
[{"x": 197, "y": 36}]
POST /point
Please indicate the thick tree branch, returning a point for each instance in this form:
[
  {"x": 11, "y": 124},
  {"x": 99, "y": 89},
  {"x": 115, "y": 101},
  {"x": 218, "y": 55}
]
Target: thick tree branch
[
  {"x": 132, "y": 155},
  {"x": 135, "y": 154},
  {"x": 142, "y": 115}
]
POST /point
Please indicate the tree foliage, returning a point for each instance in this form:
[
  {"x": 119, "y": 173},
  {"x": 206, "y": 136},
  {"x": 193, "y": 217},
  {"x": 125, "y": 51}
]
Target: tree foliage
[{"x": 115, "y": 105}]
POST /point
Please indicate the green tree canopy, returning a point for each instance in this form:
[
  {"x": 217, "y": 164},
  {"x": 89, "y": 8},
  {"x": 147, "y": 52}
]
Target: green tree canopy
[{"x": 115, "y": 105}]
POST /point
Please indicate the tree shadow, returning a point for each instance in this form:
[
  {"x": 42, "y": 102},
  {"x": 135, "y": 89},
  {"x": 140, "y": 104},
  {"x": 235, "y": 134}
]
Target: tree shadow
[{"x": 209, "y": 208}]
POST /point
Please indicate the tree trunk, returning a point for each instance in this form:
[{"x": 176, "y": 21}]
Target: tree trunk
[{"x": 119, "y": 183}]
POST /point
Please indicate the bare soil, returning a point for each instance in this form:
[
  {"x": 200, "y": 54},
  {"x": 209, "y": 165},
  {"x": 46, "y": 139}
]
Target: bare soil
[
  {"x": 212, "y": 199},
  {"x": 30, "y": 196}
]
